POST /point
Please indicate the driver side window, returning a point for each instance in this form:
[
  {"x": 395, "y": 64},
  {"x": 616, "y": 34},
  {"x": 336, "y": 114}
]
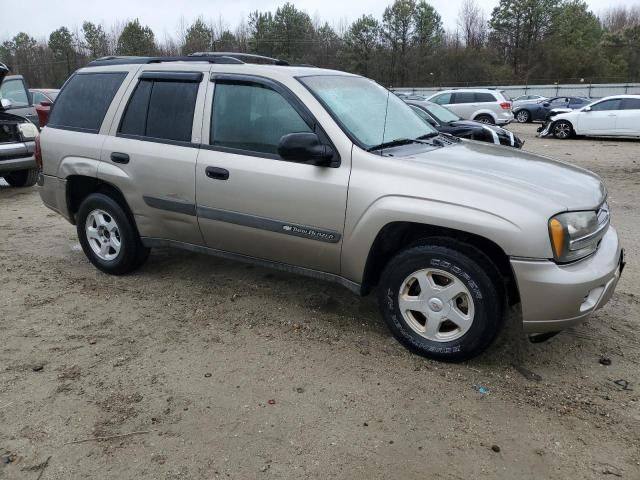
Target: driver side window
[
  {"x": 613, "y": 104},
  {"x": 252, "y": 117},
  {"x": 444, "y": 99}
]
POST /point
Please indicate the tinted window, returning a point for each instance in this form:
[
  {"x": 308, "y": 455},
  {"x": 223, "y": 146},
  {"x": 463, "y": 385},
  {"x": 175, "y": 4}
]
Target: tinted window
[
  {"x": 631, "y": 104},
  {"x": 613, "y": 104},
  {"x": 443, "y": 99},
  {"x": 84, "y": 101},
  {"x": 484, "y": 97},
  {"x": 464, "y": 97},
  {"x": 558, "y": 102},
  {"x": 161, "y": 109},
  {"x": 252, "y": 117},
  {"x": 14, "y": 90}
]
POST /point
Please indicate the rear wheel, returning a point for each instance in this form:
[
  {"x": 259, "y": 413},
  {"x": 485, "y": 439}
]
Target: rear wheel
[
  {"x": 485, "y": 119},
  {"x": 562, "y": 129},
  {"x": 441, "y": 302},
  {"x": 22, "y": 178},
  {"x": 523, "y": 116},
  {"x": 108, "y": 237}
]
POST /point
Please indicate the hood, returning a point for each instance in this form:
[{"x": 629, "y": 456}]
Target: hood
[
  {"x": 6, "y": 117},
  {"x": 515, "y": 175}
]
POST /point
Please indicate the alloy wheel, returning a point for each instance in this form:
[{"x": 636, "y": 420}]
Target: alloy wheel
[
  {"x": 103, "y": 235},
  {"x": 436, "y": 305}
]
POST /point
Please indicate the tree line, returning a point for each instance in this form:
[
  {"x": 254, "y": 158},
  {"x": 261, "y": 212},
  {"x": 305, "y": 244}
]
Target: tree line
[{"x": 520, "y": 41}]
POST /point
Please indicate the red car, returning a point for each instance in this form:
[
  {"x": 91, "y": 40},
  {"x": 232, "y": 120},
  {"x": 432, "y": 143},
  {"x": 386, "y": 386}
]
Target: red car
[{"x": 43, "y": 98}]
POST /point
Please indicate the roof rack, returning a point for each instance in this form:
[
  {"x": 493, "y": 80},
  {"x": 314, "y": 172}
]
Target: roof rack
[
  {"x": 126, "y": 60},
  {"x": 239, "y": 55}
]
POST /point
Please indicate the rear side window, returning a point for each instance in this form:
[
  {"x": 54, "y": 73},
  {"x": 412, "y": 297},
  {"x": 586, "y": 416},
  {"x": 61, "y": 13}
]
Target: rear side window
[
  {"x": 252, "y": 117},
  {"x": 464, "y": 97},
  {"x": 161, "y": 109},
  {"x": 84, "y": 101},
  {"x": 631, "y": 104},
  {"x": 484, "y": 97}
]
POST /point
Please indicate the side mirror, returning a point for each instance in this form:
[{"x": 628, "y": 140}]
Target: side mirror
[
  {"x": 305, "y": 148},
  {"x": 586, "y": 109},
  {"x": 6, "y": 103},
  {"x": 546, "y": 104}
]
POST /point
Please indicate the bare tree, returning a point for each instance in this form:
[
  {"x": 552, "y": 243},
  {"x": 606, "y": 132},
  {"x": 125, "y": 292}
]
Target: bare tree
[
  {"x": 472, "y": 24},
  {"x": 616, "y": 19}
]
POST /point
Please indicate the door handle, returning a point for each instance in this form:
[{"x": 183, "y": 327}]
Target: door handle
[
  {"x": 118, "y": 157},
  {"x": 217, "y": 173}
]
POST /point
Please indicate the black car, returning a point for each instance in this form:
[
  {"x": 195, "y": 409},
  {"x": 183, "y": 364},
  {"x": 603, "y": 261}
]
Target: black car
[
  {"x": 538, "y": 112},
  {"x": 445, "y": 121}
]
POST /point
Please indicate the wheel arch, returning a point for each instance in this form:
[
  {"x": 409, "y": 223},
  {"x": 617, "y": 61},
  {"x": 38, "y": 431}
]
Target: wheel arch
[
  {"x": 79, "y": 187},
  {"x": 485, "y": 113},
  {"x": 397, "y": 236}
]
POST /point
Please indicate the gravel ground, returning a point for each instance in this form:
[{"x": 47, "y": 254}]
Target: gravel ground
[{"x": 222, "y": 370}]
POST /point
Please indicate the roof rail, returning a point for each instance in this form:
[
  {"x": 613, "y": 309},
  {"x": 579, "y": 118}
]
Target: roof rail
[
  {"x": 239, "y": 55},
  {"x": 126, "y": 60}
]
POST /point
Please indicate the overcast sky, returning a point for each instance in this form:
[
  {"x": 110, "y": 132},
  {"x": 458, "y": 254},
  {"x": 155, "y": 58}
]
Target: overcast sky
[{"x": 40, "y": 17}]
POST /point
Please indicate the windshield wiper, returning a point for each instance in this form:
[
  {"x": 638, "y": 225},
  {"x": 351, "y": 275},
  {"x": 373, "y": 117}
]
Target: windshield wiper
[
  {"x": 428, "y": 135},
  {"x": 401, "y": 141}
]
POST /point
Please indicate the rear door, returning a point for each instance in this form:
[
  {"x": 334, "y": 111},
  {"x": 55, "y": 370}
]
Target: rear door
[
  {"x": 250, "y": 201},
  {"x": 465, "y": 104},
  {"x": 151, "y": 152},
  {"x": 628, "y": 122},
  {"x": 601, "y": 120}
]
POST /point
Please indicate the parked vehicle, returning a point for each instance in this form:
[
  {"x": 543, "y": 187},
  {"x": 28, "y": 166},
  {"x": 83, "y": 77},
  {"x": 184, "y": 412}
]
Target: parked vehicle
[
  {"x": 40, "y": 95},
  {"x": 538, "y": 112},
  {"x": 330, "y": 175},
  {"x": 616, "y": 116},
  {"x": 445, "y": 121},
  {"x": 525, "y": 99},
  {"x": 14, "y": 90},
  {"x": 17, "y": 135},
  {"x": 482, "y": 105}
]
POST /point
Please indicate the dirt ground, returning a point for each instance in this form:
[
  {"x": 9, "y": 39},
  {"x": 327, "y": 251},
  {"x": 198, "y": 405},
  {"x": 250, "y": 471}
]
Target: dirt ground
[{"x": 222, "y": 370}]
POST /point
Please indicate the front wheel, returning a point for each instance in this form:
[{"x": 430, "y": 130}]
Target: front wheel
[
  {"x": 22, "y": 178},
  {"x": 108, "y": 237},
  {"x": 441, "y": 302},
  {"x": 562, "y": 129},
  {"x": 486, "y": 119}
]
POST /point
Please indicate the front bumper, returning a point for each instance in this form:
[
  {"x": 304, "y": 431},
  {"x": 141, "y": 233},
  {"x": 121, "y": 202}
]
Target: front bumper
[
  {"x": 554, "y": 297},
  {"x": 17, "y": 156}
]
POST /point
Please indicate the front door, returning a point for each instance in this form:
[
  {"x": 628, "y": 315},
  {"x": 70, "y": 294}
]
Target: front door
[
  {"x": 249, "y": 200},
  {"x": 601, "y": 119}
]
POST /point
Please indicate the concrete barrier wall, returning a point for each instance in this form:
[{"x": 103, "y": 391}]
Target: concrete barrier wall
[{"x": 596, "y": 90}]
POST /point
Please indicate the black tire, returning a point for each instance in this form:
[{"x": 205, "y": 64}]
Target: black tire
[
  {"x": 562, "y": 130},
  {"x": 132, "y": 253},
  {"x": 523, "y": 116},
  {"x": 476, "y": 273},
  {"x": 488, "y": 119},
  {"x": 22, "y": 178}
]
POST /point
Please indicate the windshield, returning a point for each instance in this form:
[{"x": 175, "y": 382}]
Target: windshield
[
  {"x": 369, "y": 113},
  {"x": 444, "y": 115},
  {"x": 14, "y": 91}
]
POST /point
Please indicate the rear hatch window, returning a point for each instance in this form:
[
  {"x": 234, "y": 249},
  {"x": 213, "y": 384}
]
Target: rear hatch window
[{"x": 84, "y": 101}]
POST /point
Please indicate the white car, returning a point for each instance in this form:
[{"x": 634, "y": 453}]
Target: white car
[
  {"x": 485, "y": 105},
  {"x": 617, "y": 116}
]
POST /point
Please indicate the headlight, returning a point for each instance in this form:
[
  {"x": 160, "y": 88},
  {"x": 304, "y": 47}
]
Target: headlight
[
  {"x": 575, "y": 235},
  {"x": 28, "y": 131}
]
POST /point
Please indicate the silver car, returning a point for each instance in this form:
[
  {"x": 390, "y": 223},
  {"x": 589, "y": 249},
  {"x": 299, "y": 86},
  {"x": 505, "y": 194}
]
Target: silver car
[
  {"x": 327, "y": 174},
  {"x": 484, "y": 105}
]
